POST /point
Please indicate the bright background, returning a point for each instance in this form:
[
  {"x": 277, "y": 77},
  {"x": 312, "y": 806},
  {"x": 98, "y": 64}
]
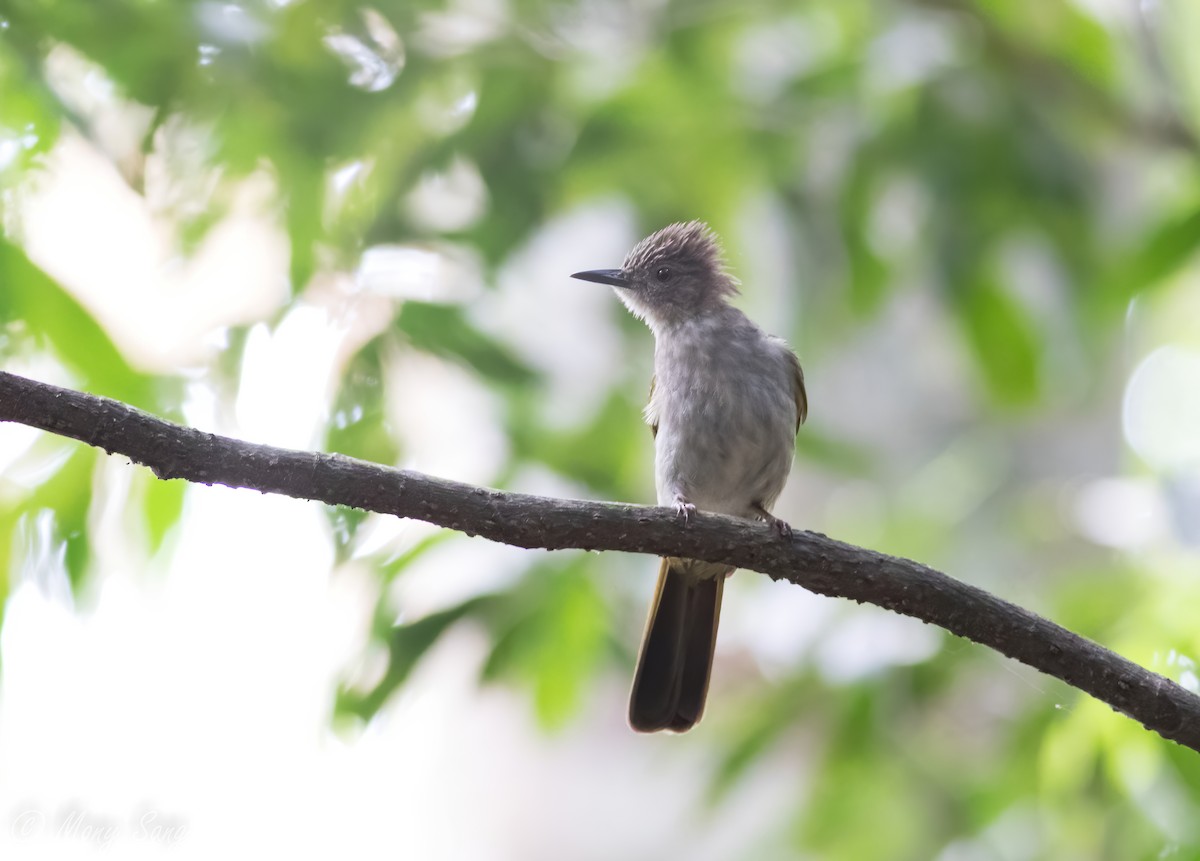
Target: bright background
[{"x": 350, "y": 228}]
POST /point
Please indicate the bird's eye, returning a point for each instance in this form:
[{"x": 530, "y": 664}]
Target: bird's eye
[{"x": 663, "y": 273}]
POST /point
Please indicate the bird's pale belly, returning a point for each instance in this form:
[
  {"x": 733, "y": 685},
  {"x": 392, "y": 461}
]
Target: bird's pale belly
[{"x": 726, "y": 460}]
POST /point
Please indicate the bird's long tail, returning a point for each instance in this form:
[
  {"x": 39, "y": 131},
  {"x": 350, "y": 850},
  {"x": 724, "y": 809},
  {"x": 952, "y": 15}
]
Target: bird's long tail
[{"x": 673, "y": 667}]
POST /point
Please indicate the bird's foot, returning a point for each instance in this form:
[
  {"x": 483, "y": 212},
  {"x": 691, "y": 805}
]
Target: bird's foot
[
  {"x": 782, "y": 527},
  {"x": 683, "y": 508}
]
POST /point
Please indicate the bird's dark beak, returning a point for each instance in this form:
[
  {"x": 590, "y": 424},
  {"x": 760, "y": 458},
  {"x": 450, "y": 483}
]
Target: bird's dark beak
[{"x": 615, "y": 277}]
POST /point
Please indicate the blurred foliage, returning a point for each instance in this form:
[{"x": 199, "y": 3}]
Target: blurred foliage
[
  {"x": 46, "y": 314},
  {"x": 1027, "y": 168},
  {"x": 442, "y": 330},
  {"x": 548, "y": 633}
]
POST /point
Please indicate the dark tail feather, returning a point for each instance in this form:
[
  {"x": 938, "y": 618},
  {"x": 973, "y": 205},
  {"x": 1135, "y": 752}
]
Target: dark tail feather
[{"x": 677, "y": 652}]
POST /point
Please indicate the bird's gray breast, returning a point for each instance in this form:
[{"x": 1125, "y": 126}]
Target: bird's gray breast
[{"x": 726, "y": 417}]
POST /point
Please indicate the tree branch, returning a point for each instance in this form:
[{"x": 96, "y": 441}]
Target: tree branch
[{"x": 810, "y": 560}]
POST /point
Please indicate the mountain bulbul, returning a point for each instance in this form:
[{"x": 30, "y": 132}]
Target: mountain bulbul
[{"x": 726, "y": 402}]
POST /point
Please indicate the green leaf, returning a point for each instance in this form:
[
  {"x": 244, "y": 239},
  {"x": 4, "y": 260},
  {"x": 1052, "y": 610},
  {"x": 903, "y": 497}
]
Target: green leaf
[
  {"x": 444, "y": 331},
  {"x": 68, "y": 494},
  {"x": 1005, "y": 343},
  {"x": 51, "y": 314},
  {"x": 359, "y": 426},
  {"x": 306, "y": 198},
  {"x": 748, "y": 741},
  {"x": 407, "y": 644},
  {"x": 1157, "y": 256},
  {"x": 611, "y": 453},
  {"x": 550, "y": 633},
  {"x": 28, "y": 111},
  {"x": 162, "y": 504},
  {"x": 868, "y": 273},
  {"x": 344, "y": 523},
  {"x": 391, "y": 566}
]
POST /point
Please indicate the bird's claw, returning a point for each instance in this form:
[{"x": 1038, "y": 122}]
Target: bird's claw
[
  {"x": 684, "y": 509},
  {"x": 781, "y": 527}
]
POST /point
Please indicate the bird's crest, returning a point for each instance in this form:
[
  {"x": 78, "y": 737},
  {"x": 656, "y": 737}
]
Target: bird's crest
[{"x": 691, "y": 243}]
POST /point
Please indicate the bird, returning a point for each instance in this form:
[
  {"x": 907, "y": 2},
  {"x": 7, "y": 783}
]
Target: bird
[{"x": 726, "y": 403}]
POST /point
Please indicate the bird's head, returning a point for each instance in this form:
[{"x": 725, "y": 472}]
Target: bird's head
[{"x": 672, "y": 275}]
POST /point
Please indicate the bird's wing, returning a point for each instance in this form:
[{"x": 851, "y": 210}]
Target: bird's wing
[
  {"x": 651, "y": 411},
  {"x": 798, "y": 389}
]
